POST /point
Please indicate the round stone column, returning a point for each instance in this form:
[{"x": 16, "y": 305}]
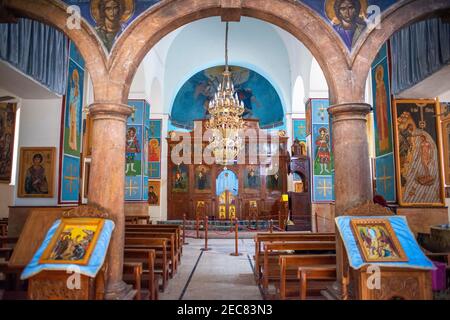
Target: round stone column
[
  {"x": 352, "y": 181},
  {"x": 107, "y": 183}
]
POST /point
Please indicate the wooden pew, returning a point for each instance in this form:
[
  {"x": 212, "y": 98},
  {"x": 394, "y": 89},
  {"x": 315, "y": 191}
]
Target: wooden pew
[
  {"x": 134, "y": 268},
  {"x": 150, "y": 269},
  {"x": 161, "y": 228},
  {"x": 275, "y": 249},
  {"x": 289, "y": 265},
  {"x": 171, "y": 245},
  {"x": 161, "y": 257},
  {"x": 284, "y": 236},
  {"x": 326, "y": 275}
]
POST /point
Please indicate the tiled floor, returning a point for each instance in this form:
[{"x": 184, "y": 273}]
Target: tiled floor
[{"x": 214, "y": 274}]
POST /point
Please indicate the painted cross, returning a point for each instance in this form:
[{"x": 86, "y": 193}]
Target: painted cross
[
  {"x": 324, "y": 187},
  {"x": 71, "y": 178},
  {"x": 384, "y": 179},
  {"x": 153, "y": 170},
  {"x": 301, "y": 131},
  {"x": 131, "y": 188},
  {"x": 321, "y": 113}
]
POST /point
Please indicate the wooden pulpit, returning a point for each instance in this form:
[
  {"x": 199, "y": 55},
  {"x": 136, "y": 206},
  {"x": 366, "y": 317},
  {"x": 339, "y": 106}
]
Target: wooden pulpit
[
  {"x": 70, "y": 284},
  {"x": 404, "y": 283}
]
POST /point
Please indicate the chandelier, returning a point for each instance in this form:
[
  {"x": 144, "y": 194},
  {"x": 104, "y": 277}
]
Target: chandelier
[{"x": 226, "y": 120}]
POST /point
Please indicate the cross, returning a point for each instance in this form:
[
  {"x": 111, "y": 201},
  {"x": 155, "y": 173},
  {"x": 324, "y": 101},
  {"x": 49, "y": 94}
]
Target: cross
[
  {"x": 71, "y": 178},
  {"x": 384, "y": 179},
  {"x": 152, "y": 169},
  {"x": 131, "y": 188},
  {"x": 422, "y": 122},
  {"x": 152, "y": 129},
  {"x": 301, "y": 131},
  {"x": 322, "y": 110},
  {"x": 324, "y": 187}
]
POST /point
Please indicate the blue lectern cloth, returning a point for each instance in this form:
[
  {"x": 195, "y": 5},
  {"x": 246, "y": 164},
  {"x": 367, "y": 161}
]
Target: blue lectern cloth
[
  {"x": 416, "y": 257},
  {"x": 95, "y": 261}
]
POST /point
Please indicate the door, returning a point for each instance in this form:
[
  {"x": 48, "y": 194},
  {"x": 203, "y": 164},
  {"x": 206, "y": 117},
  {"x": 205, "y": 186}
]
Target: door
[
  {"x": 227, "y": 206},
  {"x": 227, "y": 194}
]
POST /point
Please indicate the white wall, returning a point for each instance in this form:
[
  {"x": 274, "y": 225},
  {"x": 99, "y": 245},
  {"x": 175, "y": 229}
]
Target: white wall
[{"x": 39, "y": 126}]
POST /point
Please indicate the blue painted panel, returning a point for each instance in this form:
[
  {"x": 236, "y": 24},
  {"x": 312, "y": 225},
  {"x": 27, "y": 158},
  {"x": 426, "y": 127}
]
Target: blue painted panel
[
  {"x": 323, "y": 189},
  {"x": 133, "y": 188},
  {"x": 385, "y": 172},
  {"x": 137, "y": 117},
  {"x": 70, "y": 179},
  {"x": 299, "y": 129},
  {"x": 319, "y": 111}
]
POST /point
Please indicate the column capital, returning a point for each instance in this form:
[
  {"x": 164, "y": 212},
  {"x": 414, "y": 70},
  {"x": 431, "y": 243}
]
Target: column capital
[
  {"x": 108, "y": 110},
  {"x": 349, "y": 111}
]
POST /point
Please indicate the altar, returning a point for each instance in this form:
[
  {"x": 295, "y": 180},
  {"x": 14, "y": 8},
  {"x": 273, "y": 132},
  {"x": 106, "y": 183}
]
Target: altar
[{"x": 196, "y": 187}]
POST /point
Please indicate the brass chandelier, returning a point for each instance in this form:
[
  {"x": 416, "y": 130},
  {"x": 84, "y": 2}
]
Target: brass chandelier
[{"x": 226, "y": 120}]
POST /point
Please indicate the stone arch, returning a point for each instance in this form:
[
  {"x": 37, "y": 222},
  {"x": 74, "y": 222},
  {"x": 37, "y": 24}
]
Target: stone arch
[
  {"x": 397, "y": 17},
  {"x": 294, "y": 17},
  {"x": 53, "y": 12}
]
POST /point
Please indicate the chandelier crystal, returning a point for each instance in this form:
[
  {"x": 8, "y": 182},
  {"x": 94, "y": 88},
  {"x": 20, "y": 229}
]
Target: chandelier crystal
[{"x": 226, "y": 120}]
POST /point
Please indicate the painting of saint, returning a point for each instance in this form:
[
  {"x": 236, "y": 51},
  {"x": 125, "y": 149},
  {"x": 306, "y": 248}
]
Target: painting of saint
[
  {"x": 153, "y": 192},
  {"x": 7, "y": 123},
  {"x": 323, "y": 152},
  {"x": 382, "y": 111},
  {"x": 73, "y": 110},
  {"x": 154, "y": 150},
  {"x": 274, "y": 182},
  {"x": 111, "y": 17},
  {"x": 347, "y": 17},
  {"x": 132, "y": 148},
  {"x": 180, "y": 179},
  {"x": 252, "y": 178},
  {"x": 36, "y": 172},
  {"x": 419, "y": 171},
  {"x": 377, "y": 241},
  {"x": 74, "y": 101},
  {"x": 202, "y": 179}
]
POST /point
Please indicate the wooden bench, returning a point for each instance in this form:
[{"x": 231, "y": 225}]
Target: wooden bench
[
  {"x": 162, "y": 261},
  {"x": 284, "y": 236},
  {"x": 171, "y": 245},
  {"x": 135, "y": 269},
  {"x": 150, "y": 269},
  {"x": 271, "y": 271},
  {"x": 160, "y": 228},
  {"x": 321, "y": 275},
  {"x": 289, "y": 265}
]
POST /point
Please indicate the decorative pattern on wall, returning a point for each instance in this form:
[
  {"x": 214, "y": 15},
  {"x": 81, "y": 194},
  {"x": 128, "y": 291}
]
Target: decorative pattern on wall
[
  {"x": 71, "y": 137},
  {"x": 260, "y": 98},
  {"x": 322, "y": 161},
  {"x": 381, "y": 92},
  {"x": 136, "y": 153}
]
